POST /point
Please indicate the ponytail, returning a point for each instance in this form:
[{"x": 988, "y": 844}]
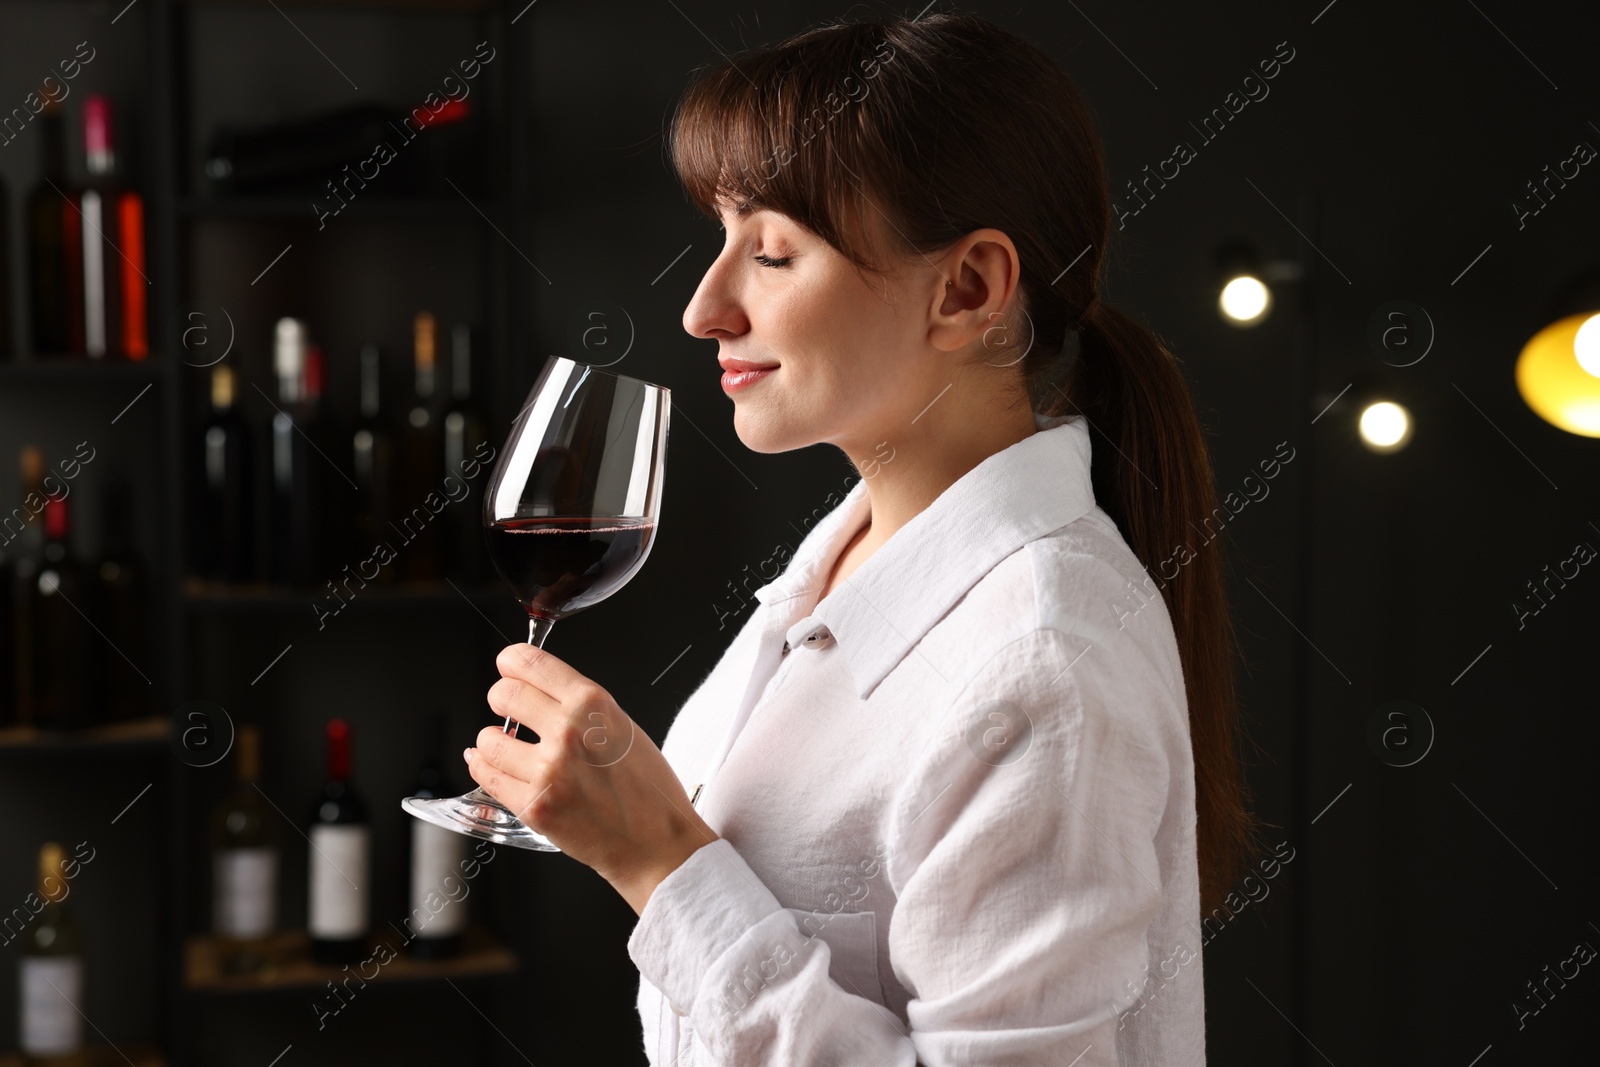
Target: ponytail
[{"x": 1152, "y": 474}]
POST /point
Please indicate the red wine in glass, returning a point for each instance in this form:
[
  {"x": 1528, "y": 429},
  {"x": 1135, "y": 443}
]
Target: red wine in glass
[
  {"x": 569, "y": 514},
  {"x": 558, "y": 566}
]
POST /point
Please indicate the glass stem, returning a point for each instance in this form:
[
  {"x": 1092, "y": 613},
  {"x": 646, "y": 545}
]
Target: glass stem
[{"x": 538, "y": 630}]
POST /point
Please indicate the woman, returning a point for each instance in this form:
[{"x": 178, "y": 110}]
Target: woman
[{"x": 959, "y": 779}]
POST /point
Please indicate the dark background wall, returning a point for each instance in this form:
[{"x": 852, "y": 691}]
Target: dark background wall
[{"x": 1420, "y": 900}]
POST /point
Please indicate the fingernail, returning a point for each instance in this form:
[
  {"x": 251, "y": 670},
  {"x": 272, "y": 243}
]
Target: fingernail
[{"x": 466, "y": 754}]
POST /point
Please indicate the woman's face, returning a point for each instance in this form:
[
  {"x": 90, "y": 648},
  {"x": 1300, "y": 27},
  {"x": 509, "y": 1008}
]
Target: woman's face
[{"x": 853, "y": 362}]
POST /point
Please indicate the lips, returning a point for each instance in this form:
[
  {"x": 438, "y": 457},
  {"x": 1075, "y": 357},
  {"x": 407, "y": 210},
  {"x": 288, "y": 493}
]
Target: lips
[
  {"x": 740, "y": 366},
  {"x": 737, "y": 374}
]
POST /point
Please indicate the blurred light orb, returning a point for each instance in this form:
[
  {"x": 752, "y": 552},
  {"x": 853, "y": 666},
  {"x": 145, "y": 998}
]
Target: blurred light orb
[
  {"x": 1245, "y": 300},
  {"x": 1558, "y": 374},
  {"x": 1385, "y": 426}
]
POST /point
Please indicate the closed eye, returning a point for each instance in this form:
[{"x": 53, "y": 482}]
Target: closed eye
[{"x": 771, "y": 261}]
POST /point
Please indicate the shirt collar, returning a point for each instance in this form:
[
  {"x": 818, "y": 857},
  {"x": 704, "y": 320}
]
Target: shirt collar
[{"x": 881, "y": 611}]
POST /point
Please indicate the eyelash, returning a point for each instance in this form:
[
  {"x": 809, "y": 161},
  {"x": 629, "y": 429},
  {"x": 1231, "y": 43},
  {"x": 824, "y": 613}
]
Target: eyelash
[{"x": 770, "y": 261}]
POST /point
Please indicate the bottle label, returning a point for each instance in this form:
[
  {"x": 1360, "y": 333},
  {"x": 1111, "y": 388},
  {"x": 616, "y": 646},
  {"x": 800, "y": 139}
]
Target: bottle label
[
  {"x": 52, "y": 993},
  {"x": 245, "y": 883},
  {"x": 339, "y": 890},
  {"x": 438, "y": 893}
]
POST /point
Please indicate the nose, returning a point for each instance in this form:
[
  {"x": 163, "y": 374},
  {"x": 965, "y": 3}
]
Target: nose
[{"x": 714, "y": 311}]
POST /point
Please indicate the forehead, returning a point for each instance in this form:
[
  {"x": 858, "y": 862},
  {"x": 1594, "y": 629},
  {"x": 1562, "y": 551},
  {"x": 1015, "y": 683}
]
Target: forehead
[{"x": 727, "y": 204}]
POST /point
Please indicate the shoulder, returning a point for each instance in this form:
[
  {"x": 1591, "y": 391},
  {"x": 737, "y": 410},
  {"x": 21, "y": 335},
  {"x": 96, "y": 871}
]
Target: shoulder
[
  {"x": 1077, "y": 588},
  {"x": 1046, "y": 688}
]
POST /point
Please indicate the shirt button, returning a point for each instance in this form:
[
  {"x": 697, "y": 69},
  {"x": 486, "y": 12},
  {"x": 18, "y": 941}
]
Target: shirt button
[
  {"x": 675, "y": 1010},
  {"x": 818, "y": 638}
]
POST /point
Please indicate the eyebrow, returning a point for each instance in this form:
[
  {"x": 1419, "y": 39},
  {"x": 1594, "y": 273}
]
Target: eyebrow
[{"x": 738, "y": 207}]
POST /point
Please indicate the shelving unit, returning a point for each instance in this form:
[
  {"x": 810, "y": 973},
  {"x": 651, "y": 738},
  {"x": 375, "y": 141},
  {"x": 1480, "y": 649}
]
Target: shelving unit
[
  {"x": 105, "y": 1056},
  {"x": 186, "y": 225},
  {"x": 481, "y": 957},
  {"x": 152, "y": 731}
]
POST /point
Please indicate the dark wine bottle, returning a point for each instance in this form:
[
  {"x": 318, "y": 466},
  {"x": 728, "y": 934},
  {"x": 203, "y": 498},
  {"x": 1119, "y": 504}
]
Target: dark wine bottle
[
  {"x": 339, "y": 863},
  {"x": 7, "y": 302},
  {"x": 464, "y": 434},
  {"x": 372, "y": 455},
  {"x": 225, "y": 534},
  {"x": 307, "y": 153},
  {"x": 119, "y": 608},
  {"x": 49, "y": 307},
  {"x": 27, "y": 548},
  {"x": 416, "y": 522},
  {"x": 62, "y": 637},
  {"x": 244, "y": 865},
  {"x": 438, "y": 918},
  {"x": 297, "y": 468},
  {"x": 9, "y": 715},
  {"x": 51, "y": 990}
]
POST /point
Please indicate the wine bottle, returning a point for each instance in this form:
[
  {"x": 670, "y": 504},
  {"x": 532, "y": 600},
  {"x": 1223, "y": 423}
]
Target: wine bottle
[
  {"x": 10, "y": 714},
  {"x": 329, "y": 488},
  {"x": 119, "y": 592},
  {"x": 27, "y": 546},
  {"x": 52, "y": 971},
  {"x": 62, "y": 636},
  {"x": 49, "y": 310},
  {"x": 416, "y": 522},
  {"x": 91, "y": 203},
  {"x": 225, "y": 536},
  {"x": 302, "y": 153},
  {"x": 6, "y": 302},
  {"x": 372, "y": 453},
  {"x": 115, "y": 302},
  {"x": 8, "y": 668},
  {"x": 464, "y": 433},
  {"x": 244, "y": 865},
  {"x": 297, "y": 469},
  {"x": 339, "y": 861},
  {"x": 438, "y": 915}
]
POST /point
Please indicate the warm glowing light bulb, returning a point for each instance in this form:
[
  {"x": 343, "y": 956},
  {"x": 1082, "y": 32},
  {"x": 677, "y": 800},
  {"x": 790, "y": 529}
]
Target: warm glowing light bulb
[
  {"x": 1559, "y": 378},
  {"x": 1244, "y": 299},
  {"x": 1385, "y": 426},
  {"x": 1586, "y": 345}
]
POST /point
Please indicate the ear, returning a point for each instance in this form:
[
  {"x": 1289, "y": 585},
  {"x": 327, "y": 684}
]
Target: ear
[{"x": 976, "y": 289}]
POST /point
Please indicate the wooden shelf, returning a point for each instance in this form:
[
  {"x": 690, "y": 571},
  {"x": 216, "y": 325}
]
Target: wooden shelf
[
  {"x": 103, "y": 1056},
  {"x": 293, "y": 968},
  {"x": 151, "y": 731},
  {"x": 371, "y": 208},
  {"x": 397, "y": 5},
  {"x": 77, "y": 370}
]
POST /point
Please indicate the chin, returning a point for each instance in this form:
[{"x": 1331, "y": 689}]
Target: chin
[{"x": 760, "y": 433}]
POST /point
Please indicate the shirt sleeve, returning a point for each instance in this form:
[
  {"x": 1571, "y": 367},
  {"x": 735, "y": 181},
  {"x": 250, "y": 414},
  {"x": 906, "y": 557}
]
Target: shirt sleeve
[{"x": 1021, "y": 850}]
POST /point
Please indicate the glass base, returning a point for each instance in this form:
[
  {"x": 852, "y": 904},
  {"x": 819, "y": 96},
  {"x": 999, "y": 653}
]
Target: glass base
[{"x": 477, "y": 814}]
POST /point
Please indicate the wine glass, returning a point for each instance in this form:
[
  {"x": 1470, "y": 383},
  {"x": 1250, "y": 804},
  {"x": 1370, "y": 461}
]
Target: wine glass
[{"x": 570, "y": 514}]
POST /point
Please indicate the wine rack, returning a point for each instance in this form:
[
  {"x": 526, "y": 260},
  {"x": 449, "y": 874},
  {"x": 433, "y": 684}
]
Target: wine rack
[{"x": 174, "y": 69}]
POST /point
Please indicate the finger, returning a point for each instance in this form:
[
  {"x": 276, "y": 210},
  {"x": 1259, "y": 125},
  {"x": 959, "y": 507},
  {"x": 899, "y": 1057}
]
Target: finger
[
  {"x": 516, "y": 699},
  {"x": 522, "y": 798},
  {"x": 505, "y": 753},
  {"x": 532, "y": 664}
]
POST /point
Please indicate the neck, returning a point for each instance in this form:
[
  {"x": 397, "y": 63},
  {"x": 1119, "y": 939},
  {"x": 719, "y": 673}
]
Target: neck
[{"x": 908, "y": 470}]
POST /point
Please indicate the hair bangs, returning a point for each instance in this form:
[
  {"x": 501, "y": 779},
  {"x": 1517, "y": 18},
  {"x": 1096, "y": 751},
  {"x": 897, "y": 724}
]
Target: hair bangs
[{"x": 787, "y": 129}]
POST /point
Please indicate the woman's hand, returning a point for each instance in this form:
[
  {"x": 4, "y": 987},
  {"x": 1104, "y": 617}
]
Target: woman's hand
[{"x": 594, "y": 784}]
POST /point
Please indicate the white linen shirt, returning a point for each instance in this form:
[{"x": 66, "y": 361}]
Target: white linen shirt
[{"x": 955, "y": 800}]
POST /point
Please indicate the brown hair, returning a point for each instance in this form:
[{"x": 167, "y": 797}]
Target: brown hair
[{"x": 943, "y": 125}]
